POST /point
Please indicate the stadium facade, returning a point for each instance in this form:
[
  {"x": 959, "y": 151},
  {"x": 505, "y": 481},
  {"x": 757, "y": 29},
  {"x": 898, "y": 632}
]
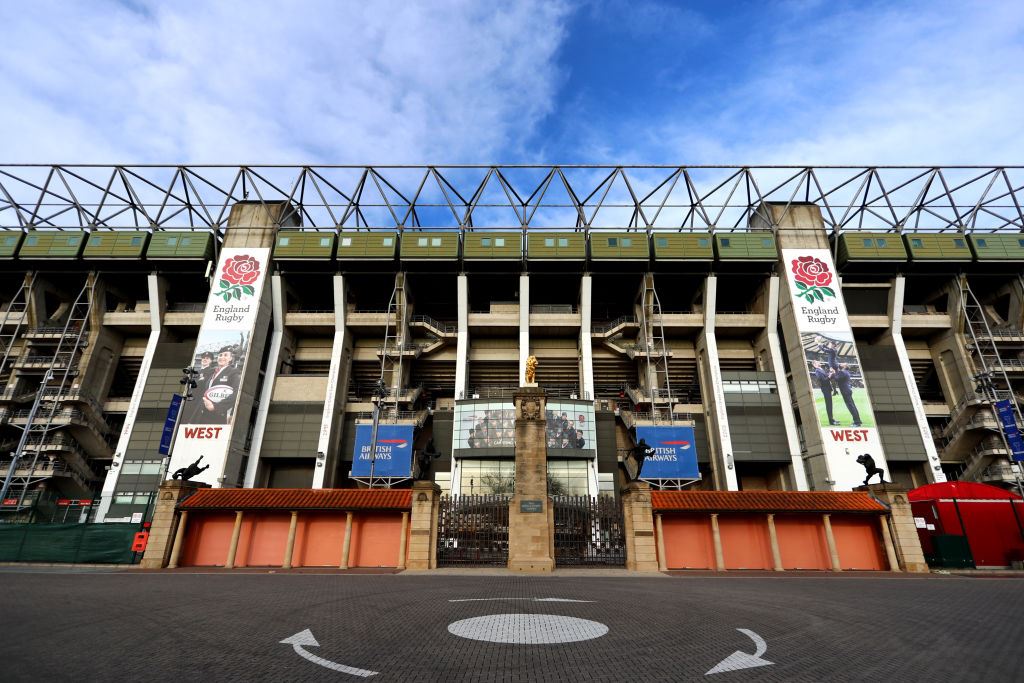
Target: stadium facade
[{"x": 769, "y": 326}]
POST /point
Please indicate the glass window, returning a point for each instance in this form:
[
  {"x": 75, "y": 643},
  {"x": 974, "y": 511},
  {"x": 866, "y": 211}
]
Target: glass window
[
  {"x": 136, "y": 241},
  {"x": 958, "y": 243},
  {"x": 867, "y": 242},
  {"x": 499, "y": 241},
  {"x": 185, "y": 241},
  {"x": 489, "y": 424},
  {"x": 613, "y": 242},
  {"x": 172, "y": 241},
  {"x": 150, "y": 468},
  {"x": 124, "y": 498},
  {"x": 627, "y": 241},
  {"x": 421, "y": 242},
  {"x": 568, "y": 477},
  {"x": 661, "y": 241},
  {"x": 981, "y": 243},
  {"x": 346, "y": 241},
  {"x": 725, "y": 242},
  {"x": 8, "y": 241},
  {"x": 72, "y": 241},
  {"x": 1020, "y": 243},
  {"x": 31, "y": 241},
  {"x": 492, "y": 476},
  {"x": 325, "y": 241},
  {"x": 142, "y": 498},
  {"x": 570, "y": 425},
  {"x": 766, "y": 241},
  {"x": 96, "y": 241},
  {"x": 283, "y": 241},
  {"x": 485, "y": 241},
  {"x": 915, "y": 242},
  {"x": 881, "y": 242},
  {"x": 549, "y": 241},
  {"x": 435, "y": 241},
  {"x": 131, "y": 467},
  {"x": 388, "y": 241},
  {"x": 703, "y": 242},
  {"x": 563, "y": 241}
]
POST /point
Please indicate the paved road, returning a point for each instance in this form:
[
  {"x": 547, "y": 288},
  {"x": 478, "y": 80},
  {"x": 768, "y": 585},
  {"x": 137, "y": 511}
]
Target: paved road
[{"x": 87, "y": 626}]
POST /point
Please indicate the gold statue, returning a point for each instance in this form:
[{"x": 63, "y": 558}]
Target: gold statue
[{"x": 531, "y": 369}]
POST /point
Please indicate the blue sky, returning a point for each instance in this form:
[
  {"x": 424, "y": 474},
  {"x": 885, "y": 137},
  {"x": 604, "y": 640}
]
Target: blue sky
[{"x": 605, "y": 81}]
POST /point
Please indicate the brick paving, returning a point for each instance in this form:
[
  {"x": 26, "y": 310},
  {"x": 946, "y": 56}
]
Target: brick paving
[{"x": 227, "y": 626}]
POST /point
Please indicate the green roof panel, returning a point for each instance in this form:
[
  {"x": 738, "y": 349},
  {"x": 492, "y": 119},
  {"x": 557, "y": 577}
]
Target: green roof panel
[
  {"x": 180, "y": 245},
  {"x": 746, "y": 246},
  {"x": 683, "y": 246},
  {"x": 619, "y": 246},
  {"x": 119, "y": 244},
  {"x": 303, "y": 245},
  {"x": 492, "y": 246},
  {"x": 52, "y": 244},
  {"x": 557, "y": 246}
]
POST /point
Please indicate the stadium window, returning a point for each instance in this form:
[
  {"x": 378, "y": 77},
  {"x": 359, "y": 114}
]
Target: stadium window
[
  {"x": 549, "y": 242},
  {"x": 703, "y": 242},
  {"x": 958, "y": 243},
  {"x": 916, "y": 243},
  {"x": 283, "y": 241},
  {"x": 150, "y": 468},
  {"x": 563, "y": 241},
  {"x": 131, "y": 467},
  {"x": 613, "y": 242},
  {"x": 499, "y": 241},
  {"x": 388, "y": 241},
  {"x": 766, "y": 241},
  {"x": 172, "y": 241},
  {"x": 136, "y": 241},
  {"x": 347, "y": 242},
  {"x": 725, "y": 242},
  {"x": 881, "y": 242},
  {"x": 72, "y": 241},
  {"x": 124, "y": 498},
  {"x": 421, "y": 242},
  {"x": 627, "y": 241},
  {"x": 1020, "y": 243},
  {"x": 435, "y": 241},
  {"x": 661, "y": 241},
  {"x": 31, "y": 241},
  {"x": 8, "y": 241},
  {"x": 485, "y": 241},
  {"x": 185, "y": 241},
  {"x": 96, "y": 241},
  {"x": 867, "y": 242},
  {"x": 982, "y": 244},
  {"x": 325, "y": 241}
]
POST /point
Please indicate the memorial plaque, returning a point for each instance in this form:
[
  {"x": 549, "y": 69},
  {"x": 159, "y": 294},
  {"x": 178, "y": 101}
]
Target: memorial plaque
[{"x": 531, "y": 506}]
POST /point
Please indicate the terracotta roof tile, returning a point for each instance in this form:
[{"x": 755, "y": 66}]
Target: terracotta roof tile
[
  {"x": 298, "y": 499},
  {"x": 766, "y": 501}
]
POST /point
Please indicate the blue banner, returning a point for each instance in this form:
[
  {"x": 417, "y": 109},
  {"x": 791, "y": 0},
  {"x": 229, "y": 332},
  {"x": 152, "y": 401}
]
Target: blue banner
[
  {"x": 169, "y": 424},
  {"x": 394, "y": 451},
  {"x": 675, "y": 453},
  {"x": 1010, "y": 428}
]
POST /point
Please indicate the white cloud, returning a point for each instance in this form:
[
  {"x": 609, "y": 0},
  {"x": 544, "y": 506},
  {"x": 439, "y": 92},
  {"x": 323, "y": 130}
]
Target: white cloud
[{"x": 311, "y": 82}]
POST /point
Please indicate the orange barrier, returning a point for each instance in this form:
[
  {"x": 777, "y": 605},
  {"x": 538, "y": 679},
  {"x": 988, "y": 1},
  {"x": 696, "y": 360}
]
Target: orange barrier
[{"x": 802, "y": 543}]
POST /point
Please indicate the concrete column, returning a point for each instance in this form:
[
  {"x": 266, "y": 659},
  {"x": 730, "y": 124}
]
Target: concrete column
[
  {"x": 659, "y": 530},
  {"x": 904, "y": 538},
  {"x": 162, "y": 532},
  {"x": 347, "y": 543},
  {"x": 179, "y": 536},
  {"x": 233, "y": 548},
  {"x": 337, "y": 394},
  {"x": 462, "y": 343},
  {"x": 289, "y": 545},
  {"x": 782, "y": 384},
  {"x": 717, "y": 419},
  {"x": 716, "y": 538},
  {"x": 529, "y": 522},
  {"x": 830, "y": 539},
  {"x": 422, "y": 553},
  {"x": 524, "y": 325},
  {"x": 890, "y": 550},
  {"x": 404, "y": 542},
  {"x": 933, "y": 467},
  {"x": 586, "y": 342},
  {"x": 641, "y": 550},
  {"x": 269, "y": 376},
  {"x": 773, "y": 538}
]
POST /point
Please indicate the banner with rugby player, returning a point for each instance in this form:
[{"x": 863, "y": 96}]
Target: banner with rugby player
[
  {"x": 842, "y": 404},
  {"x": 220, "y": 358}
]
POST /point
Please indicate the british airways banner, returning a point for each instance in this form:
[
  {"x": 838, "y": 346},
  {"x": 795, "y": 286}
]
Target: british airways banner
[
  {"x": 394, "y": 451},
  {"x": 674, "y": 456},
  {"x": 1008, "y": 417}
]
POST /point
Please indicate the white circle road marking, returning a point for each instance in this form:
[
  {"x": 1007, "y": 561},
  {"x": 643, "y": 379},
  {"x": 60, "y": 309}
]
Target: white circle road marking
[{"x": 527, "y": 629}]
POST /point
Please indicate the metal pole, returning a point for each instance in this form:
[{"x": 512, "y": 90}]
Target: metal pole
[
  {"x": 381, "y": 392},
  {"x": 16, "y": 456}
]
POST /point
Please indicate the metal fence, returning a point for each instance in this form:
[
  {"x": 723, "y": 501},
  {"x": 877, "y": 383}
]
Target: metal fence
[
  {"x": 472, "y": 531},
  {"x": 589, "y": 532}
]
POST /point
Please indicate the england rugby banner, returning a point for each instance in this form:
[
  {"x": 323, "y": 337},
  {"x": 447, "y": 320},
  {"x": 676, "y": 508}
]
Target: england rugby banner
[
  {"x": 842, "y": 406},
  {"x": 221, "y": 354},
  {"x": 394, "y": 451},
  {"x": 674, "y": 456}
]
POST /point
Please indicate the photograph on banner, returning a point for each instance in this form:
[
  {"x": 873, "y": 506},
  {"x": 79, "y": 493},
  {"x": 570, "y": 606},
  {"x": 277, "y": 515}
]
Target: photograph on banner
[
  {"x": 674, "y": 456},
  {"x": 570, "y": 425},
  {"x": 219, "y": 359},
  {"x": 393, "y": 452},
  {"x": 840, "y": 394},
  {"x": 843, "y": 447},
  {"x": 485, "y": 425}
]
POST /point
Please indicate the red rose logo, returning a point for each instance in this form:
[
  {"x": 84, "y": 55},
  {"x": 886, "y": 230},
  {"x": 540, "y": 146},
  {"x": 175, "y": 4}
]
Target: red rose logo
[
  {"x": 237, "y": 276},
  {"x": 812, "y": 278}
]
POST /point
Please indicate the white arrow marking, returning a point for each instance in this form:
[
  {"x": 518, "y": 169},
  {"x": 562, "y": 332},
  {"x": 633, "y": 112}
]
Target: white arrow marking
[
  {"x": 533, "y": 599},
  {"x": 741, "y": 660},
  {"x": 306, "y": 639}
]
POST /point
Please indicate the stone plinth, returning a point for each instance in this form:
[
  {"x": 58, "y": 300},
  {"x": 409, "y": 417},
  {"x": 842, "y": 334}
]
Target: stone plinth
[
  {"x": 638, "y": 514},
  {"x": 165, "y": 521},
  {"x": 901, "y": 522},
  {"x": 423, "y": 526},
  {"x": 530, "y": 517}
]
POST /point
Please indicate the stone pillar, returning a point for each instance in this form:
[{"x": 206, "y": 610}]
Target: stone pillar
[
  {"x": 716, "y": 417},
  {"x": 163, "y": 530},
  {"x": 716, "y": 538},
  {"x": 660, "y": 531},
  {"x": 524, "y": 326},
  {"x": 233, "y": 548},
  {"x": 403, "y": 543},
  {"x": 830, "y": 539},
  {"x": 641, "y": 551},
  {"x": 346, "y": 545},
  {"x": 586, "y": 343},
  {"x": 890, "y": 550},
  {"x": 529, "y": 524},
  {"x": 904, "y": 532},
  {"x": 422, "y": 552},
  {"x": 179, "y": 538},
  {"x": 289, "y": 545},
  {"x": 773, "y": 538},
  {"x": 462, "y": 343}
]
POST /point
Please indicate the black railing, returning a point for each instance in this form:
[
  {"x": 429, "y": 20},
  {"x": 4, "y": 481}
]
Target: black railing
[
  {"x": 589, "y": 532},
  {"x": 472, "y": 531}
]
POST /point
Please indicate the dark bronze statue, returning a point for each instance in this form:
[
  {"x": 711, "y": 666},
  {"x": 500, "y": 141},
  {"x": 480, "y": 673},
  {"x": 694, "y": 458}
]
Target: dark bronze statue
[
  {"x": 426, "y": 458},
  {"x": 869, "y": 466},
  {"x": 186, "y": 473},
  {"x": 640, "y": 452}
]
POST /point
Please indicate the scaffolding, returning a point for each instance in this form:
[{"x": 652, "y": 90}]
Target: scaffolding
[
  {"x": 14, "y": 316},
  {"x": 654, "y": 350}
]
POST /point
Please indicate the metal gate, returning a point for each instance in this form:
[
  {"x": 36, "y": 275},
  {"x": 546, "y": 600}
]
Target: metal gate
[
  {"x": 472, "y": 531},
  {"x": 589, "y": 532}
]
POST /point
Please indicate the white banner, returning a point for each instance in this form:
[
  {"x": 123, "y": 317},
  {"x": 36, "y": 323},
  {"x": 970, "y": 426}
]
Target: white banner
[
  {"x": 204, "y": 429},
  {"x": 853, "y": 448}
]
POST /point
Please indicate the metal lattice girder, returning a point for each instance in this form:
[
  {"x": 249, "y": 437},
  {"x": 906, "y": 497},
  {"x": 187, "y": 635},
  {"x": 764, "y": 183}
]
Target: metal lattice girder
[{"x": 153, "y": 197}]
